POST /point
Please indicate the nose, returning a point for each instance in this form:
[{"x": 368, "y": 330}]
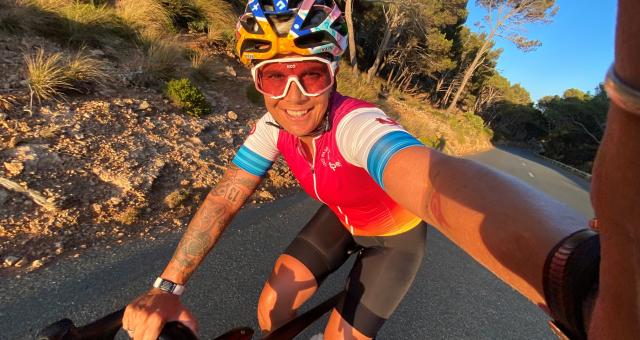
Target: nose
[{"x": 294, "y": 94}]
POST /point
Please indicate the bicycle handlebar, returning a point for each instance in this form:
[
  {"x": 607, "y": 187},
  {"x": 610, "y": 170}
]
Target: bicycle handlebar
[{"x": 106, "y": 328}]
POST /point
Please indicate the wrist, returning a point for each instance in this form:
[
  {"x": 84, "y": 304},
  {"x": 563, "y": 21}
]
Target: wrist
[{"x": 621, "y": 93}]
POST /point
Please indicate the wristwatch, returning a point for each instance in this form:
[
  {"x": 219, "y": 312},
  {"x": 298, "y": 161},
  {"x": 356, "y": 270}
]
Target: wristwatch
[{"x": 168, "y": 286}]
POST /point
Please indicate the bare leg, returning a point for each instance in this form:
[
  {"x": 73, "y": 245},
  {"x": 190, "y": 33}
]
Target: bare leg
[
  {"x": 338, "y": 329},
  {"x": 289, "y": 286}
]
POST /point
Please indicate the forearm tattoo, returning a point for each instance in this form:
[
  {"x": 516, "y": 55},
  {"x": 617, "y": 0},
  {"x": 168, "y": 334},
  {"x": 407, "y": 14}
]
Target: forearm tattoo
[{"x": 211, "y": 219}]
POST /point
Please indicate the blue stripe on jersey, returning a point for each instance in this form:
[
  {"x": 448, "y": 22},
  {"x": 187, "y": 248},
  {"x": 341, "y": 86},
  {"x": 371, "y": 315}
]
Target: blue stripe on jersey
[
  {"x": 384, "y": 148},
  {"x": 251, "y": 162}
]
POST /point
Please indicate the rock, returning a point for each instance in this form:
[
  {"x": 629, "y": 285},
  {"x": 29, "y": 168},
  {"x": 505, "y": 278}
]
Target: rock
[
  {"x": 230, "y": 71},
  {"x": 265, "y": 195},
  {"x": 23, "y": 261},
  {"x": 14, "y": 168},
  {"x": 232, "y": 115},
  {"x": 37, "y": 264},
  {"x": 144, "y": 105},
  {"x": 10, "y": 260}
]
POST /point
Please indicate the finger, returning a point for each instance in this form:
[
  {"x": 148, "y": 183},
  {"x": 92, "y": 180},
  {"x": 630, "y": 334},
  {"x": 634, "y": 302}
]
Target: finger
[
  {"x": 152, "y": 327},
  {"x": 187, "y": 319},
  {"x": 127, "y": 320}
]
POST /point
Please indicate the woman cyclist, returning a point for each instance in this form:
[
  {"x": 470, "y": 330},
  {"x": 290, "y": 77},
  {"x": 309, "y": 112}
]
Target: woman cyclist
[{"x": 377, "y": 184}]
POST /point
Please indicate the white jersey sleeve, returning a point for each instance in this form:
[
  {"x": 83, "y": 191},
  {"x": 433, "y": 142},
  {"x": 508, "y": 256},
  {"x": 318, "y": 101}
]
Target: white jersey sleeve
[
  {"x": 260, "y": 149},
  {"x": 368, "y": 138}
]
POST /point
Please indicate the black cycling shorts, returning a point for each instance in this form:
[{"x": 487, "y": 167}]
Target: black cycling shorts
[{"x": 381, "y": 276}]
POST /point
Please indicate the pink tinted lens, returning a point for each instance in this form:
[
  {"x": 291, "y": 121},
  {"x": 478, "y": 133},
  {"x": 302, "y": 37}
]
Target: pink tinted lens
[{"x": 315, "y": 76}]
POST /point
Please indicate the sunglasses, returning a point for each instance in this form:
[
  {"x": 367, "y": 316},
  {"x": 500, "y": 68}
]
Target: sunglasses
[{"x": 313, "y": 75}]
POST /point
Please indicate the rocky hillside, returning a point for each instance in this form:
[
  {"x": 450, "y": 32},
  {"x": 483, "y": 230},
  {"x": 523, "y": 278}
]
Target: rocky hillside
[{"x": 118, "y": 163}]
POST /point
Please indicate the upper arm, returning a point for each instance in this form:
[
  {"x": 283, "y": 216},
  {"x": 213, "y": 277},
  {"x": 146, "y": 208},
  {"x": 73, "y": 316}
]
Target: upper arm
[
  {"x": 408, "y": 178},
  {"x": 250, "y": 164}
]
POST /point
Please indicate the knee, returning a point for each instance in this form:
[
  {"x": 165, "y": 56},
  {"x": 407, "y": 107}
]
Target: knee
[{"x": 290, "y": 284}]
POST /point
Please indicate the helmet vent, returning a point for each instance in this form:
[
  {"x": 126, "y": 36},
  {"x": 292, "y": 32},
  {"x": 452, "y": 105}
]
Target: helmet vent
[
  {"x": 255, "y": 46},
  {"x": 315, "y": 39}
]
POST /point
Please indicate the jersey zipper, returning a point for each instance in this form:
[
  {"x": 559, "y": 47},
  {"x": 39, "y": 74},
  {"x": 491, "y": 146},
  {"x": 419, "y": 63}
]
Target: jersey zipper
[
  {"x": 313, "y": 170},
  {"x": 315, "y": 184}
]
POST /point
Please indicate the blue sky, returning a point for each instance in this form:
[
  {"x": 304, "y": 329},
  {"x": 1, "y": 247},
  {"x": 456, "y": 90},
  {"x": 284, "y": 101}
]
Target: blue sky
[{"x": 577, "y": 48}]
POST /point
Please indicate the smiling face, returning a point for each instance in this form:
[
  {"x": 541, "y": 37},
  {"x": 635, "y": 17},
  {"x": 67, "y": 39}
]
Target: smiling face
[{"x": 298, "y": 114}]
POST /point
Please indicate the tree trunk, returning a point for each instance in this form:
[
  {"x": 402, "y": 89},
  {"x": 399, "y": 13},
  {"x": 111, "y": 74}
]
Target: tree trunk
[
  {"x": 352, "y": 37},
  {"x": 468, "y": 73},
  {"x": 383, "y": 46}
]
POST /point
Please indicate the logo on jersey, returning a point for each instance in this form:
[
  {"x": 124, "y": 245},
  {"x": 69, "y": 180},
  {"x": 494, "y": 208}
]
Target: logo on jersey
[
  {"x": 387, "y": 121},
  {"x": 324, "y": 159}
]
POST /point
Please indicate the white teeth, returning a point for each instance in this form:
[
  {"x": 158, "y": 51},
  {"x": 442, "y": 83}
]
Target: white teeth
[{"x": 296, "y": 113}]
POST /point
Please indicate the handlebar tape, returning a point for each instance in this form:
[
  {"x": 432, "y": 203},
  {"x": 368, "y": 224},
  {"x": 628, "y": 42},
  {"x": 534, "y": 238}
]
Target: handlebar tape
[{"x": 571, "y": 274}]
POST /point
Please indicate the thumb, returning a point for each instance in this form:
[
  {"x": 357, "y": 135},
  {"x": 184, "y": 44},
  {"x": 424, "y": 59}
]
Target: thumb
[{"x": 186, "y": 318}]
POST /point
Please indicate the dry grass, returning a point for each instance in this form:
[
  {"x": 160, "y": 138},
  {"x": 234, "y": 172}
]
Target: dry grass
[
  {"x": 49, "y": 76},
  {"x": 84, "y": 69},
  {"x": 356, "y": 87},
  {"x": 46, "y": 75},
  {"x": 202, "y": 66},
  {"x": 220, "y": 18},
  {"x": 74, "y": 22},
  {"x": 161, "y": 57},
  {"x": 148, "y": 17}
]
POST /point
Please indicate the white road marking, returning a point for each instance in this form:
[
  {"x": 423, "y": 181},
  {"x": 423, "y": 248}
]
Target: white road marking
[{"x": 532, "y": 176}]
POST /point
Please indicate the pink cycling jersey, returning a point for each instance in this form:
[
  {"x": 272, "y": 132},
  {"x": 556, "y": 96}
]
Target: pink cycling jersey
[{"x": 346, "y": 170}]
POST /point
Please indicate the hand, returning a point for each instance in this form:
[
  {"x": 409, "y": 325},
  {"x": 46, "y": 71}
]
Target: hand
[{"x": 145, "y": 316}]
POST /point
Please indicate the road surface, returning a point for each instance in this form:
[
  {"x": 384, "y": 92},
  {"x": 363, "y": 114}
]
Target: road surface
[{"x": 453, "y": 297}]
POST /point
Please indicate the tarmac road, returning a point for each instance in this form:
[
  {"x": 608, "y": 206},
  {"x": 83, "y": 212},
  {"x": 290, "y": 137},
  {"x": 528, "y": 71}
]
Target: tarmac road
[{"x": 453, "y": 297}]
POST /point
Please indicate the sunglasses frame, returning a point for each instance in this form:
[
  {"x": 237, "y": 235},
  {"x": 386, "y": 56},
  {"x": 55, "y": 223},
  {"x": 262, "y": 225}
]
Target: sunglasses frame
[{"x": 333, "y": 66}]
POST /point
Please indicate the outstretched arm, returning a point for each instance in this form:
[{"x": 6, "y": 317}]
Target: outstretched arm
[
  {"x": 212, "y": 218},
  {"x": 145, "y": 316},
  {"x": 615, "y": 194},
  {"x": 503, "y": 223}
]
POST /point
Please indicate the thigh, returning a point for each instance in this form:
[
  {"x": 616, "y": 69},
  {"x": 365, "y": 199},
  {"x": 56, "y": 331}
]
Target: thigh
[
  {"x": 323, "y": 245},
  {"x": 380, "y": 278}
]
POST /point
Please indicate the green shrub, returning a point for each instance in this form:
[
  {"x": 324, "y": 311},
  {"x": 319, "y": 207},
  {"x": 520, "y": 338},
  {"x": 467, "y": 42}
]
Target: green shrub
[
  {"x": 188, "y": 97},
  {"x": 433, "y": 142}
]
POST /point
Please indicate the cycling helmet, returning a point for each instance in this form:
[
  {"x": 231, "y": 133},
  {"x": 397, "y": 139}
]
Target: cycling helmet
[{"x": 304, "y": 27}]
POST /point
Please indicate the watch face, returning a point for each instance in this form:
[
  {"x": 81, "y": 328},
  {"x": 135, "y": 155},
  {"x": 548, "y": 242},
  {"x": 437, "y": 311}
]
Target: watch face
[{"x": 166, "y": 286}]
